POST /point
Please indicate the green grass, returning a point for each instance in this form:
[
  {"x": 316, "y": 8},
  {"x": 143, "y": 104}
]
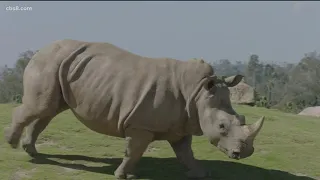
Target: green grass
[{"x": 286, "y": 149}]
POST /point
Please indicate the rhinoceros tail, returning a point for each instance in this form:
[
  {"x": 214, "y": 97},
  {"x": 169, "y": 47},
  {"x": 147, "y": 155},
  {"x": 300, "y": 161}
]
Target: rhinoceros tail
[{"x": 64, "y": 71}]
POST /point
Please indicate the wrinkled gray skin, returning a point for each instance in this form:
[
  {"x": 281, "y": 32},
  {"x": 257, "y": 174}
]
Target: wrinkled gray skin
[{"x": 117, "y": 93}]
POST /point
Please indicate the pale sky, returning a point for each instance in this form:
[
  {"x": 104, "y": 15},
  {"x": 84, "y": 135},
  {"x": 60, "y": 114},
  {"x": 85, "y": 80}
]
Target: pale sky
[{"x": 276, "y": 31}]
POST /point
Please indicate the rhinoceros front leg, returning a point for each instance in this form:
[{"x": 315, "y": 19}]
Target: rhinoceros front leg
[
  {"x": 137, "y": 142},
  {"x": 184, "y": 153}
]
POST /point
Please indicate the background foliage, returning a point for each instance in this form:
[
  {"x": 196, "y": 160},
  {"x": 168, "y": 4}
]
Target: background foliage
[{"x": 288, "y": 87}]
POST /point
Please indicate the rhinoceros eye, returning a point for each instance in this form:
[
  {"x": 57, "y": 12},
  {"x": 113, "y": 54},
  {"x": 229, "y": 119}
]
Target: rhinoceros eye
[{"x": 223, "y": 129}]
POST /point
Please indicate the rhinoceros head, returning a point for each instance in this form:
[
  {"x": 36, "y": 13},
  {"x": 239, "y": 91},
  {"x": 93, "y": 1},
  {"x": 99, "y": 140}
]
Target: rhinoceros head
[{"x": 220, "y": 123}]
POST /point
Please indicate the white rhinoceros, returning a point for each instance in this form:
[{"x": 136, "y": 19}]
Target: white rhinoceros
[{"x": 118, "y": 93}]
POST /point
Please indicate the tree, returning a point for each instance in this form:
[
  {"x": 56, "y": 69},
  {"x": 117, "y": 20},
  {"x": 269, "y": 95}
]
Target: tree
[
  {"x": 11, "y": 85},
  {"x": 252, "y": 69}
]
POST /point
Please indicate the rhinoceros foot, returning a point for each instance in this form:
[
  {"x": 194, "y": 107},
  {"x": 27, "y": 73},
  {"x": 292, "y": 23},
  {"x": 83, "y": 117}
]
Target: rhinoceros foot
[
  {"x": 122, "y": 176},
  {"x": 30, "y": 149},
  {"x": 126, "y": 176},
  {"x": 12, "y": 138},
  {"x": 198, "y": 174}
]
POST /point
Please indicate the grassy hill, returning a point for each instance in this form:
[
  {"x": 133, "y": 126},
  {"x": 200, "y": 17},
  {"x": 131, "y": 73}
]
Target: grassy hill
[{"x": 286, "y": 149}]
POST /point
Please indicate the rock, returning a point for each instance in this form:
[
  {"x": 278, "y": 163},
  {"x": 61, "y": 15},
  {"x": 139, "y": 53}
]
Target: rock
[
  {"x": 311, "y": 111},
  {"x": 242, "y": 94}
]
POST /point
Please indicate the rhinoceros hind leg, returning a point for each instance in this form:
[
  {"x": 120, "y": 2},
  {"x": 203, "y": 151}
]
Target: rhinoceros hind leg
[
  {"x": 21, "y": 117},
  {"x": 137, "y": 142},
  {"x": 41, "y": 99},
  {"x": 33, "y": 131}
]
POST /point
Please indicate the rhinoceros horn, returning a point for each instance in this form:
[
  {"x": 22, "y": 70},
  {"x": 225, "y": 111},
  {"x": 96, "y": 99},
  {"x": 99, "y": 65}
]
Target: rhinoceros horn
[{"x": 253, "y": 129}]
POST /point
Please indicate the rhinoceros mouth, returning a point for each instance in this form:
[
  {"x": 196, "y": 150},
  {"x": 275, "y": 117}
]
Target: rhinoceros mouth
[
  {"x": 224, "y": 150},
  {"x": 233, "y": 155}
]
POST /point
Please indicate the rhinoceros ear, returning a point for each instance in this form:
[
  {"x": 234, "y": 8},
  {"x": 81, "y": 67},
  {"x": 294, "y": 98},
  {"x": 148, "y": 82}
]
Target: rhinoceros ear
[
  {"x": 233, "y": 80},
  {"x": 209, "y": 83}
]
